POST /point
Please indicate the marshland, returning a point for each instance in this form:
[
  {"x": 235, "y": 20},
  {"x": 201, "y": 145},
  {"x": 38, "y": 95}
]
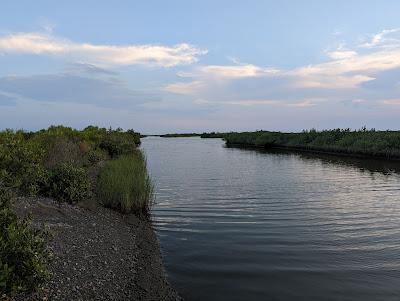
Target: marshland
[
  {"x": 55, "y": 185},
  {"x": 199, "y": 150},
  {"x": 230, "y": 213}
]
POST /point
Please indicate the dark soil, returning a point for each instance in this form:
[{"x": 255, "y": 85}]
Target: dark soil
[{"x": 99, "y": 254}]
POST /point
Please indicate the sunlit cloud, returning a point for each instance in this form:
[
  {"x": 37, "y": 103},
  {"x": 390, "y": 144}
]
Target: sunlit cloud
[
  {"x": 346, "y": 72},
  {"x": 229, "y": 72},
  {"x": 48, "y": 44},
  {"x": 189, "y": 88},
  {"x": 392, "y": 102},
  {"x": 386, "y": 39},
  {"x": 340, "y": 54},
  {"x": 258, "y": 102}
]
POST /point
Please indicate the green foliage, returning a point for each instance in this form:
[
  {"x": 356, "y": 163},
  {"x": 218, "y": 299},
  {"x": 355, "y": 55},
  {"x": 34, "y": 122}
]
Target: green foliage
[
  {"x": 55, "y": 162},
  {"x": 95, "y": 155},
  {"x": 363, "y": 142},
  {"x": 20, "y": 163},
  {"x": 117, "y": 144},
  {"x": 23, "y": 252},
  {"x": 124, "y": 184},
  {"x": 68, "y": 183},
  {"x": 62, "y": 150},
  {"x": 213, "y": 135},
  {"x": 184, "y": 135},
  {"x": 26, "y": 159}
]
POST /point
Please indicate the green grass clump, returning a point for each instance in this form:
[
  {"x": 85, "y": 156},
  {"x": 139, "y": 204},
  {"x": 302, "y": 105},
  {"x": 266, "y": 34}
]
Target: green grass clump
[
  {"x": 23, "y": 252},
  {"x": 124, "y": 184}
]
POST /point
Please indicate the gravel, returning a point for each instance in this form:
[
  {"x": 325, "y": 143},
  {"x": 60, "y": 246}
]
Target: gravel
[{"x": 98, "y": 254}]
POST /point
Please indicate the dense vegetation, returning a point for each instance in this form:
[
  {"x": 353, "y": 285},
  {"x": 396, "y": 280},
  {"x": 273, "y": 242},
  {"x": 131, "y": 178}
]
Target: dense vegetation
[
  {"x": 213, "y": 135},
  {"x": 57, "y": 162},
  {"x": 124, "y": 184},
  {"x": 361, "y": 142},
  {"x": 180, "y": 135},
  {"x": 203, "y": 135},
  {"x": 23, "y": 251}
]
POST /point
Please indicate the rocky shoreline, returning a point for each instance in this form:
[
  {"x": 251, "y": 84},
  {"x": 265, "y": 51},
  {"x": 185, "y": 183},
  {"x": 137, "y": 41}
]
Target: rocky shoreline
[{"x": 98, "y": 254}]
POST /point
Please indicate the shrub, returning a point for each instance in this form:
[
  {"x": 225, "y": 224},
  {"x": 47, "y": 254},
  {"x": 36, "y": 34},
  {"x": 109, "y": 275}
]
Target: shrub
[
  {"x": 124, "y": 184},
  {"x": 84, "y": 147},
  {"x": 23, "y": 252},
  {"x": 95, "y": 155},
  {"x": 21, "y": 163},
  {"x": 62, "y": 151},
  {"x": 118, "y": 143},
  {"x": 117, "y": 146},
  {"x": 68, "y": 183}
]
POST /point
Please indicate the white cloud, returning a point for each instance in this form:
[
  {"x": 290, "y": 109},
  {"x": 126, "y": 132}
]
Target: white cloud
[
  {"x": 47, "y": 44},
  {"x": 346, "y": 74},
  {"x": 223, "y": 72},
  {"x": 386, "y": 39},
  {"x": 341, "y": 54}
]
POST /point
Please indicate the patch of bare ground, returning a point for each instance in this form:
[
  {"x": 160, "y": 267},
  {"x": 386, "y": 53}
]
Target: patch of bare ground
[{"x": 99, "y": 254}]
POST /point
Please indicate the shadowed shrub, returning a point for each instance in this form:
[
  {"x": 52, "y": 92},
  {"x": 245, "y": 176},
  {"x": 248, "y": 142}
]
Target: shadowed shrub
[
  {"x": 117, "y": 145},
  {"x": 124, "y": 184},
  {"x": 68, "y": 183},
  {"x": 62, "y": 151},
  {"x": 95, "y": 156}
]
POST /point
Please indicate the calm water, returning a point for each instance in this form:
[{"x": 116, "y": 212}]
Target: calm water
[{"x": 245, "y": 225}]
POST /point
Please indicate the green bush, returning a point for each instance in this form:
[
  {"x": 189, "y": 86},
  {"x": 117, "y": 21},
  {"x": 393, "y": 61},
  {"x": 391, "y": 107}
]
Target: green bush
[
  {"x": 124, "y": 184},
  {"x": 23, "y": 252},
  {"x": 95, "y": 155},
  {"x": 21, "y": 163},
  {"x": 117, "y": 145},
  {"x": 68, "y": 183}
]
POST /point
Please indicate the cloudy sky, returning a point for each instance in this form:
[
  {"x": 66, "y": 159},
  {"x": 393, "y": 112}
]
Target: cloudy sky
[{"x": 183, "y": 66}]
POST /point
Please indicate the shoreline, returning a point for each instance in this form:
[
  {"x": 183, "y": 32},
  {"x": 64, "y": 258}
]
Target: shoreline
[
  {"x": 340, "y": 153},
  {"x": 98, "y": 254}
]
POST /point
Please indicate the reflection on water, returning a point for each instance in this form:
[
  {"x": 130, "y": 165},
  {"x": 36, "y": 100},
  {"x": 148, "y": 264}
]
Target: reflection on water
[{"x": 240, "y": 224}]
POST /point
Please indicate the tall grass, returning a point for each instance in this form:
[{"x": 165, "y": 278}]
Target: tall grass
[{"x": 125, "y": 185}]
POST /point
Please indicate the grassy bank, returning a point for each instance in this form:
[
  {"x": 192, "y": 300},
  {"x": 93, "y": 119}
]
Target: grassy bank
[
  {"x": 124, "y": 184},
  {"x": 62, "y": 163},
  {"x": 383, "y": 144}
]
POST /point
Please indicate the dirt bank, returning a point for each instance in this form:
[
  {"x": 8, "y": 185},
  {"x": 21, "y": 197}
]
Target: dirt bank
[{"x": 99, "y": 254}]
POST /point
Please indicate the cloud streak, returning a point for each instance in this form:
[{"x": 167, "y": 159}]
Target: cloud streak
[
  {"x": 114, "y": 55},
  {"x": 72, "y": 88},
  {"x": 263, "y": 102}
]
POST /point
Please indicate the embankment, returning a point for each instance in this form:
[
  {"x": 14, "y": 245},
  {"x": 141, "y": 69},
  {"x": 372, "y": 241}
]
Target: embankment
[{"x": 98, "y": 254}]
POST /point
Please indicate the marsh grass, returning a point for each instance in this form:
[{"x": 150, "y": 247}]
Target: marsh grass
[
  {"x": 125, "y": 185},
  {"x": 385, "y": 144}
]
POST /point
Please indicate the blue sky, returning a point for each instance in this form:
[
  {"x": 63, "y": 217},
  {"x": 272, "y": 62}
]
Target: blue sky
[{"x": 178, "y": 66}]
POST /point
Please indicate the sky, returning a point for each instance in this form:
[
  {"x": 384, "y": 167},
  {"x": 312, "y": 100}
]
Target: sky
[{"x": 194, "y": 66}]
